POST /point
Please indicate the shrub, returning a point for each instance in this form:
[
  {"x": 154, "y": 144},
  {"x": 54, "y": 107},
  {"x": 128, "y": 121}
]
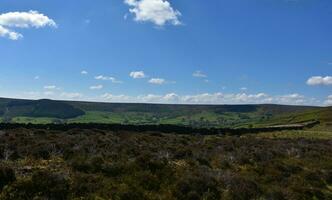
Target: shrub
[
  {"x": 50, "y": 185},
  {"x": 197, "y": 186},
  {"x": 7, "y": 176}
]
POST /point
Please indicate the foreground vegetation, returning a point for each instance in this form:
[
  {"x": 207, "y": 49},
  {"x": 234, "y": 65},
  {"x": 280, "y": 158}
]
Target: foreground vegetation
[{"x": 101, "y": 164}]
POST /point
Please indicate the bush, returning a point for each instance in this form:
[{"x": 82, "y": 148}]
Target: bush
[
  {"x": 7, "y": 176},
  {"x": 41, "y": 153},
  {"x": 197, "y": 186},
  {"x": 241, "y": 188},
  {"x": 50, "y": 185},
  {"x": 22, "y": 189}
]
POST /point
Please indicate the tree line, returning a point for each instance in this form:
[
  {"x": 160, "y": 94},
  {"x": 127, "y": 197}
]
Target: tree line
[{"x": 164, "y": 128}]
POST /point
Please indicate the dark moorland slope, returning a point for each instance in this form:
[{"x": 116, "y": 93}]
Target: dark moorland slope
[
  {"x": 38, "y": 108},
  {"x": 100, "y": 164}
]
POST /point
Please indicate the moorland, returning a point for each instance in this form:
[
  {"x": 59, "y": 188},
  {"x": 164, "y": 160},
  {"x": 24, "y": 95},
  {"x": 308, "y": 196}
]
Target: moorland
[{"x": 62, "y": 150}]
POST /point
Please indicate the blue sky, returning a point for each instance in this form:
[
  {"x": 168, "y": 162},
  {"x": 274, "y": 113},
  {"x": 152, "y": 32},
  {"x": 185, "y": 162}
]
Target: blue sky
[{"x": 220, "y": 52}]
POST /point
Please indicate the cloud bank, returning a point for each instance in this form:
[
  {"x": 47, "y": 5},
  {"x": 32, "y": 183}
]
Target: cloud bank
[{"x": 213, "y": 98}]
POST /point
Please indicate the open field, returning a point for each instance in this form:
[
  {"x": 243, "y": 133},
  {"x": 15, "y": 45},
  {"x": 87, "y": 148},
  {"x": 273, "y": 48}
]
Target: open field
[{"x": 101, "y": 164}]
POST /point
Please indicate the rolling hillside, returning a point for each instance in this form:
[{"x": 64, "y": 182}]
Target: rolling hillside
[
  {"x": 235, "y": 116},
  {"x": 11, "y": 108}
]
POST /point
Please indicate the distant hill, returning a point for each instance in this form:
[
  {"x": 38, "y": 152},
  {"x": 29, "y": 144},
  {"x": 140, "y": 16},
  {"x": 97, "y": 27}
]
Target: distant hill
[
  {"x": 234, "y": 116},
  {"x": 10, "y": 108},
  {"x": 175, "y": 109}
]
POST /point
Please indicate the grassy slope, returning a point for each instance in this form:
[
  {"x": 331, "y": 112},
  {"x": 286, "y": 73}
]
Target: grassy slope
[
  {"x": 324, "y": 115},
  {"x": 33, "y": 120},
  {"x": 308, "y": 134},
  {"x": 199, "y": 115}
]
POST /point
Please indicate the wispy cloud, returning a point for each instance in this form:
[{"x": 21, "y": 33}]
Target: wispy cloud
[
  {"x": 199, "y": 74},
  {"x": 49, "y": 93},
  {"x": 107, "y": 78},
  {"x": 157, "y": 81},
  {"x": 159, "y": 12},
  {"x": 71, "y": 95},
  {"x": 83, "y": 72},
  {"x": 96, "y": 87},
  {"x": 51, "y": 87}
]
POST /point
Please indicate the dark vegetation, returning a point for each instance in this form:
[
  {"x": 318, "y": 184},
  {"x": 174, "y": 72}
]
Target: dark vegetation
[
  {"x": 39, "y": 108},
  {"x": 163, "y": 152},
  {"x": 184, "y": 109},
  {"x": 93, "y": 163},
  {"x": 174, "y": 129}
]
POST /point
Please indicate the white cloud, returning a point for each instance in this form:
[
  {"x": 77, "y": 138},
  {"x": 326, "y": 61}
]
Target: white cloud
[
  {"x": 328, "y": 101},
  {"x": 157, "y": 81},
  {"x": 244, "y": 88},
  {"x": 137, "y": 74},
  {"x": 54, "y": 94},
  {"x": 117, "y": 98},
  {"x": 96, "y": 87},
  {"x": 31, "y": 19},
  {"x": 71, "y": 95},
  {"x": 158, "y": 12},
  {"x": 319, "y": 80},
  {"x": 107, "y": 78},
  {"x": 171, "y": 97},
  {"x": 31, "y": 94},
  {"x": 4, "y": 32},
  {"x": 25, "y": 20},
  {"x": 199, "y": 74},
  {"x": 294, "y": 99},
  {"x": 48, "y": 93},
  {"x": 84, "y": 72}
]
